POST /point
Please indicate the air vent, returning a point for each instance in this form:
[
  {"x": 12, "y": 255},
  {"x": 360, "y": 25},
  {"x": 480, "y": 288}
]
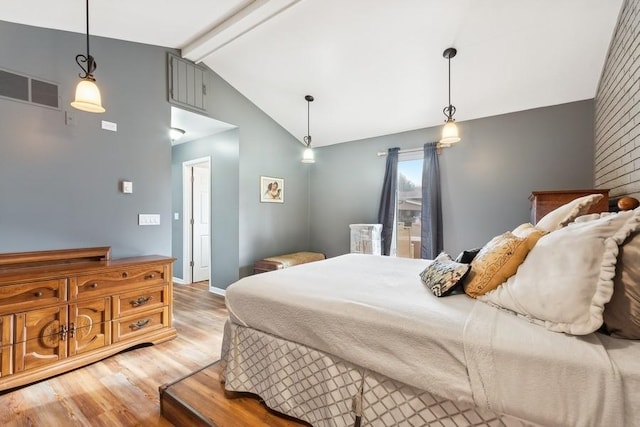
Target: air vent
[
  {"x": 44, "y": 93},
  {"x": 19, "y": 87},
  {"x": 14, "y": 86}
]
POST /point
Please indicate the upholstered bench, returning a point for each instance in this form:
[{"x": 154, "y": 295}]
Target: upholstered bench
[{"x": 284, "y": 261}]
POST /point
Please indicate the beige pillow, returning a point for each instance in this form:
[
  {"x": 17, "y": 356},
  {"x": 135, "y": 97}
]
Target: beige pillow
[
  {"x": 567, "y": 278},
  {"x": 566, "y": 213},
  {"x": 498, "y": 260},
  {"x": 622, "y": 313}
]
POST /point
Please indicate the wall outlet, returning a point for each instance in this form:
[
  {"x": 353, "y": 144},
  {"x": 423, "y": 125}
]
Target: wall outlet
[{"x": 148, "y": 219}]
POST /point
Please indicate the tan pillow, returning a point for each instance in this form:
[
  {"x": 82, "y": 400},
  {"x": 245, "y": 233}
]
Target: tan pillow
[
  {"x": 524, "y": 230},
  {"x": 559, "y": 217},
  {"x": 622, "y": 313},
  {"x": 498, "y": 260}
]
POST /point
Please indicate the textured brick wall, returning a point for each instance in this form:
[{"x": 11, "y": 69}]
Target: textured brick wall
[{"x": 617, "y": 109}]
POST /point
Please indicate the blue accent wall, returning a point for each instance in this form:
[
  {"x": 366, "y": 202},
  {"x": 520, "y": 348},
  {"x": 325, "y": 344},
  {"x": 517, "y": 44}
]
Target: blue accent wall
[{"x": 60, "y": 184}]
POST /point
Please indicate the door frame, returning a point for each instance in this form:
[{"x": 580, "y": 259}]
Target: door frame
[{"x": 187, "y": 237}]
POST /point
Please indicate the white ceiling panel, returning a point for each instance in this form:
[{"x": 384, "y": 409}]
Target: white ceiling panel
[{"x": 375, "y": 67}]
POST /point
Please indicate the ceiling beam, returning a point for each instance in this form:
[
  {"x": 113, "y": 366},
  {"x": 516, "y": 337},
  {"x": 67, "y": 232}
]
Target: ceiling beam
[{"x": 253, "y": 15}]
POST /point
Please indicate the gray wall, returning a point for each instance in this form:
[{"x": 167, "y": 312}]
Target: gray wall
[
  {"x": 223, "y": 149},
  {"x": 59, "y": 185},
  {"x": 265, "y": 229},
  {"x": 486, "y": 178},
  {"x": 617, "y": 123}
]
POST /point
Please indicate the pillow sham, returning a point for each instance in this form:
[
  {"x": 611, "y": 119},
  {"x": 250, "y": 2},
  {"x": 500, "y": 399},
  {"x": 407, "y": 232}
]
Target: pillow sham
[
  {"x": 443, "y": 275},
  {"x": 622, "y": 313},
  {"x": 567, "y": 278},
  {"x": 566, "y": 213},
  {"x": 498, "y": 260}
]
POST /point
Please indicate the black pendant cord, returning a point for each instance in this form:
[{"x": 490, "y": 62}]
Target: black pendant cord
[
  {"x": 449, "y": 110},
  {"x": 307, "y": 139},
  {"x": 448, "y": 60},
  {"x": 88, "y": 59}
]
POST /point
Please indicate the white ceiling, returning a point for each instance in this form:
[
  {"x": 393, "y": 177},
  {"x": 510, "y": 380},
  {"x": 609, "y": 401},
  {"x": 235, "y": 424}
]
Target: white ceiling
[
  {"x": 375, "y": 67},
  {"x": 196, "y": 126}
]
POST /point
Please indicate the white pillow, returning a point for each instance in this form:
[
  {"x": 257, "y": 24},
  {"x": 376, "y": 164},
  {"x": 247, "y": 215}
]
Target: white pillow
[
  {"x": 567, "y": 278},
  {"x": 566, "y": 213}
]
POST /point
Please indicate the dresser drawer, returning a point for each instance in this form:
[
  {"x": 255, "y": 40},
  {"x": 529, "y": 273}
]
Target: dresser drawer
[
  {"x": 6, "y": 330},
  {"x": 108, "y": 282},
  {"x": 6, "y": 358},
  {"x": 32, "y": 294},
  {"x": 140, "y": 324},
  {"x": 130, "y": 303}
]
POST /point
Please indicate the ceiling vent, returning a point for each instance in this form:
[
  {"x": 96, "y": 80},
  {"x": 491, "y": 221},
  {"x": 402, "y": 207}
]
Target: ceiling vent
[{"x": 20, "y": 87}]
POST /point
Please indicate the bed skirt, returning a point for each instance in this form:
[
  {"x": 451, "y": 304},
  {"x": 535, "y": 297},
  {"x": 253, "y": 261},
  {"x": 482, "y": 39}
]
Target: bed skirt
[{"x": 329, "y": 392}]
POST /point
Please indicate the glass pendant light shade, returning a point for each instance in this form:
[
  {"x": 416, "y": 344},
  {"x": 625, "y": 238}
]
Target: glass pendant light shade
[
  {"x": 450, "y": 132},
  {"x": 307, "y": 156},
  {"x": 88, "y": 97}
]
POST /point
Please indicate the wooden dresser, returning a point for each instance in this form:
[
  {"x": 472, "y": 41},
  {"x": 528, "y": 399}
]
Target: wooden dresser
[
  {"x": 63, "y": 309},
  {"x": 543, "y": 202}
]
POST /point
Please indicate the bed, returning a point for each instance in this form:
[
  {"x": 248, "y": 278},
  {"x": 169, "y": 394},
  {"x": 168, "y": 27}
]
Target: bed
[{"x": 360, "y": 340}]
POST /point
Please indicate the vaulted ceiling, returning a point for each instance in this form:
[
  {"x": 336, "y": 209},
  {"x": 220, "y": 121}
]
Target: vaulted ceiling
[{"x": 375, "y": 67}]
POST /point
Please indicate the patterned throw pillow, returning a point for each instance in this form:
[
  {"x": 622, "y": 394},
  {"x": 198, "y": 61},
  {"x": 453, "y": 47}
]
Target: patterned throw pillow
[
  {"x": 498, "y": 260},
  {"x": 443, "y": 275}
]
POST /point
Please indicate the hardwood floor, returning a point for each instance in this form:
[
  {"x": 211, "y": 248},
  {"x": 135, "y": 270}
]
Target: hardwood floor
[
  {"x": 200, "y": 400},
  {"x": 122, "y": 390}
]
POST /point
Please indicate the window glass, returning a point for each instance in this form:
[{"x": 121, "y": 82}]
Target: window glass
[{"x": 409, "y": 208}]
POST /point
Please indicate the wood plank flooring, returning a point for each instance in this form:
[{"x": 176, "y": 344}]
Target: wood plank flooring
[
  {"x": 199, "y": 400},
  {"x": 122, "y": 390}
]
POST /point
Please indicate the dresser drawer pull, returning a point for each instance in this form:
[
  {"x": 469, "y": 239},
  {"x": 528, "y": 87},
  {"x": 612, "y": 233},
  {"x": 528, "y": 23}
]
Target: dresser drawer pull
[
  {"x": 93, "y": 285},
  {"x": 125, "y": 274},
  {"x": 139, "y": 324},
  {"x": 63, "y": 332},
  {"x": 141, "y": 301},
  {"x": 149, "y": 276},
  {"x": 38, "y": 294}
]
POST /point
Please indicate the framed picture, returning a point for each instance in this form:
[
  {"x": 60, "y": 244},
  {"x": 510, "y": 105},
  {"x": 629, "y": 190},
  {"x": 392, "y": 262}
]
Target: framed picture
[{"x": 271, "y": 189}]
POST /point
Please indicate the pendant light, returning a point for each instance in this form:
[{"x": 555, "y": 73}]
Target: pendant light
[
  {"x": 449, "y": 130},
  {"x": 307, "y": 156},
  {"x": 87, "y": 92}
]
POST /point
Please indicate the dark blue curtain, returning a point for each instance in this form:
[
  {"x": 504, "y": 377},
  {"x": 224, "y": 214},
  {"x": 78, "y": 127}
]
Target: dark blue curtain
[
  {"x": 431, "y": 215},
  {"x": 387, "y": 210}
]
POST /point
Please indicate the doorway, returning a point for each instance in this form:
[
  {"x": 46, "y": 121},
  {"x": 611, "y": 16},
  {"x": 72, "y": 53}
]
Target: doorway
[{"x": 196, "y": 192}]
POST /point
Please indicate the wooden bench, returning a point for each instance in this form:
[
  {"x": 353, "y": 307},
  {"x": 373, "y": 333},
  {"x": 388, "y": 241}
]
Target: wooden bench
[{"x": 284, "y": 261}]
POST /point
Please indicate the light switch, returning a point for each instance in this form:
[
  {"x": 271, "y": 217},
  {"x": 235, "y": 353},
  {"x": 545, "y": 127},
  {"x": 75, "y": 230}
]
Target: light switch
[
  {"x": 176, "y": 216},
  {"x": 127, "y": 187},
  {"x": 113, "y": 127},
  {"x": 148, "y": 219}
]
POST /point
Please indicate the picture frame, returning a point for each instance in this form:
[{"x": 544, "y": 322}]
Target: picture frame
[{"x": 271, "y": 189}]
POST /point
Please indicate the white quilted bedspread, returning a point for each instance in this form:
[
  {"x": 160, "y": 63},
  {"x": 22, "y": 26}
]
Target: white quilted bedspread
[{"x": 375, "y": 312}]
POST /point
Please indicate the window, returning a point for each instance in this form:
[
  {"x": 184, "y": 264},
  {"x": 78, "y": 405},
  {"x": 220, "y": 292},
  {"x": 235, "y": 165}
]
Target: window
[{"x": 409, "y": 205}]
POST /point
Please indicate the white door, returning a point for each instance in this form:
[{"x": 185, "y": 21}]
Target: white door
[{"x": 201, "y": 239}]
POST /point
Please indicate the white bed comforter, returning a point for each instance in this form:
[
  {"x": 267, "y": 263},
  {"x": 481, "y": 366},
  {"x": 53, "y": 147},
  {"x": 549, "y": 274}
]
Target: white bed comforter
[{"x": 375, "y": 312}]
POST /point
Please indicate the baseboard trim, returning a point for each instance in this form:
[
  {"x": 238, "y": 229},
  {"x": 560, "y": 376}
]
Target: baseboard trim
[
  {"x": 217, "y": 291},
  {"x": 179, "y": 281}
]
